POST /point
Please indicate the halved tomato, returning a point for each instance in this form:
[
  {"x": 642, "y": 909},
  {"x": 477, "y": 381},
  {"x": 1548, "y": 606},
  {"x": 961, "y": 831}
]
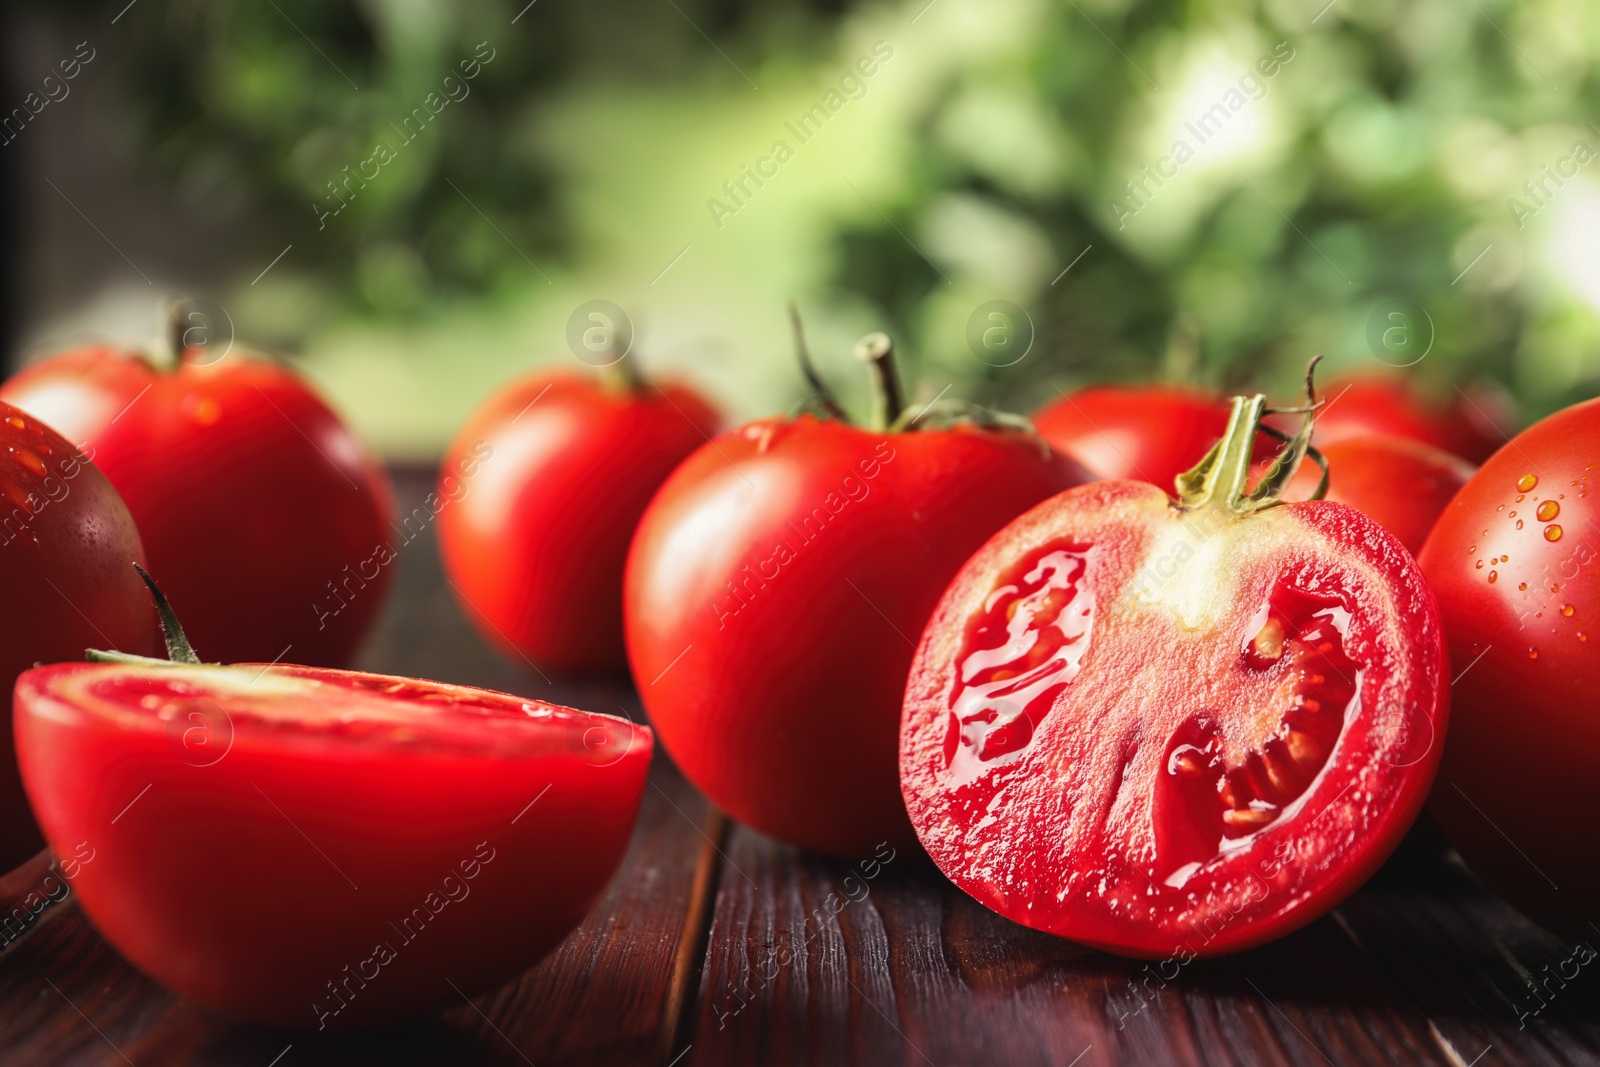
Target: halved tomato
[
  {"x": 1176, "y": 728},
  {"x": 318, "y": 848}
]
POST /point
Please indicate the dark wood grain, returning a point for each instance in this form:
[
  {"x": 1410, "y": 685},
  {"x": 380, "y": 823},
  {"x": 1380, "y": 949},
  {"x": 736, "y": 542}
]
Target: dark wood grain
[{"x": 1420, "y": 967}]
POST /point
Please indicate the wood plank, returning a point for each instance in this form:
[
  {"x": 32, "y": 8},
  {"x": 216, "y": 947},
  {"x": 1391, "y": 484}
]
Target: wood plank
[
  {"x": 916, "y": 972},
  {"x": 606, "y": 995}
]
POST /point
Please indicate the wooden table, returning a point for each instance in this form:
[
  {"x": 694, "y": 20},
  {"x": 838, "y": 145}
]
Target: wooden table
[{"x": 706, "y": 950}]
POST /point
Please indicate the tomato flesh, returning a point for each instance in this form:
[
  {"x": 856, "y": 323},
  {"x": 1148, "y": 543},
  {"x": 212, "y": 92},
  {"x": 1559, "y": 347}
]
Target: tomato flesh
[
  {"x": 318, "y": 849},
  {"x": 1161, "y": 732}
]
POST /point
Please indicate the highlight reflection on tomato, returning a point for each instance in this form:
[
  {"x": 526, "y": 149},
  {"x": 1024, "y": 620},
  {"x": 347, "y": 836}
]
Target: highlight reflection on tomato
[
  {"x": 773, "y": 591},
  {"x": 1175, "y": 728},
  {"x": 316, "y": 848},
  {"x": 591, "y": 452},
  {"x": 66, "y": 542},
  {"x": 264, "y": 516},
  {"x": 1152, "y": 433}
]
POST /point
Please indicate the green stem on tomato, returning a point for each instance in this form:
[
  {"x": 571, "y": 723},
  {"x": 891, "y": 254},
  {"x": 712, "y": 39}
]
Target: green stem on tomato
[
  {"x": 1222, "y": 478},
  {"x": 178, "y": 648},
  {"x": 878, "y": 350},
  {"x": 819, "y": 388}
]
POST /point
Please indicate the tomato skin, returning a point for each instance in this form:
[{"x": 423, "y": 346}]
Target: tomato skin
[
  {"x": 67, "y": 545},
  {"x": 1064, "y": 834},
  {"x": 773, "y": 592},
  {"x": 546, "y": 483},
  {"x": 265, "y": 521},
  {"x": 1402, "y": 483},
  {"x": 1364, "y": 405},
  {"x": 1151, "y": 433},
  {"x": 1518, "y": 763},
  {"x": 332, "y": 877}
]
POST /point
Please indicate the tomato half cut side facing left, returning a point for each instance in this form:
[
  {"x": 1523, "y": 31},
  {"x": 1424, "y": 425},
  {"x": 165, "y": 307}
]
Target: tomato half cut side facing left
[
  {"x": 1176, "y": 728},
  {"x": 317, "y": 848}
]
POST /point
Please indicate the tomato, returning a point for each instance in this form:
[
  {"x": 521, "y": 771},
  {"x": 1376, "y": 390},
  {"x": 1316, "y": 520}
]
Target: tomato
[
  {"x": 1152, "y": 432},
  {"x": 1513, "y": 561},
  {"x": 66, "y": 540},
  {"x": 1471, "y": 425},
  {"x": 773, "y": 591},
  {"x": 1403, "y": 484},
  {"x": 317, "y": 848},
  {"x": 545, "y": 484},
  {"x": 1175, "y": 728},
  {"x": 264, "y": 518}
]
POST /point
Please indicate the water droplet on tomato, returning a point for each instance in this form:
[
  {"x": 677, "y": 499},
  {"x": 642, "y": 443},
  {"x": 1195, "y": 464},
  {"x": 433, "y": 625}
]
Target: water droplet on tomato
[
  {"x": 1526, "y": 482},
  {"x": 1480, "y": 565},
  {"x": 1522, "y": 586},
  {"x": 1567, "y": 610},
  {"x": 1552, "y": 532},
  {"x": 1582, "y": 636},
  {"x": 1519, "y": 524},
  {"x": 1533, "y": 653},
  {"x": 1548, "y": 510},
  {"x": 17, "y": 421},
  {"x": 1493, "y": 575}
]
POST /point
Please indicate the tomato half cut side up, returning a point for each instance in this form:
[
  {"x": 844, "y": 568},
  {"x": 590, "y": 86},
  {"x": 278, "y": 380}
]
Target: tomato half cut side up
[
  {"x": 1176, "y": 727},
  {"x": 317, "y": 848}
]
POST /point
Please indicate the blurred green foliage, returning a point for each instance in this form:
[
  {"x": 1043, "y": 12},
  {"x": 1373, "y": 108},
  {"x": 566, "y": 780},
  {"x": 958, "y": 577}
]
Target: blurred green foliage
[{"x": 1384, "y": 160}]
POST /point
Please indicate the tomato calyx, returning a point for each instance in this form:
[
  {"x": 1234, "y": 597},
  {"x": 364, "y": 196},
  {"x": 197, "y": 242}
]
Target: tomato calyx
[
  {"x": 1222, "y": 478},
  {"x": 892, "y": 416},
  {"x": 179, "y": 650}
]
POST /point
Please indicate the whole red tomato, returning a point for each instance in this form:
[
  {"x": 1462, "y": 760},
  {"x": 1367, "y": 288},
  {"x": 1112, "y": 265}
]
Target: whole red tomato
[
  {"x": 264, "y": 518},
  {"x": 66, "y": 542},
  {"x": 324, "y": 849},
  {"x": 545, "y": 484},
  {"x": 1470, "y": 424},
  {"x": 1175, "y": 728},
  {"x": 1152, "y": 433},
  {"x": 1403, "y": 484},
  {"x": 1513, "y": 560},
  {"x": 774, "y": 591}
]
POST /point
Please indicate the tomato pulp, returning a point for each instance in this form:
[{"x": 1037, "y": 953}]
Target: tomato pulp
[
  {"x": 773, "y": 592},
  {"x": 546, "y": 483},
  {"x": 1175, "y": 728},
  {"x": 324, "y": 849},
  {"x": 1515, "y": 561},
  {"x": 66, "y": 542},
  {"x": 262, "y": 515}
]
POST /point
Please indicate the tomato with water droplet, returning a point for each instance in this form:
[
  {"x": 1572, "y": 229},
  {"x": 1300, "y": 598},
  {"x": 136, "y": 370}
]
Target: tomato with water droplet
[
  {"x": 1517, "y": 790},
  {"x": 66, "y": 542},
  {"x": 1175, "y": 728}
]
